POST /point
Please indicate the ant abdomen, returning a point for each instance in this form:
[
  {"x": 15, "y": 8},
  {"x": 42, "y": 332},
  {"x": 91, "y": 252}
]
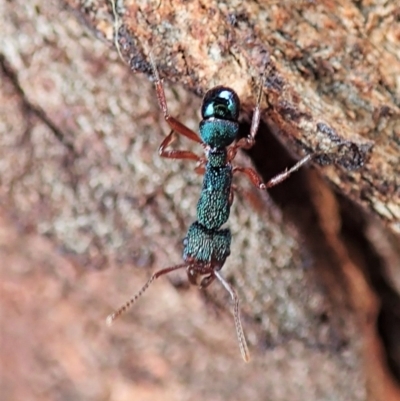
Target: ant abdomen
[{"x": 204, "y": 246}]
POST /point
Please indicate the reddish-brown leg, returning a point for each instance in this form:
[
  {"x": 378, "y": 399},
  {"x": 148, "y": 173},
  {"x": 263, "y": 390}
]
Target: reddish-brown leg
[
  {"x": 283, "y": 176},
  {"x": 176, "y": 125},
  {"x": 236, "y": 313},
  {"x": 175, "y": 154},
  {"x": 257, "y": 181}
]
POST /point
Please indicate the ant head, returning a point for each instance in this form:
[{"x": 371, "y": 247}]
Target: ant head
[{"x": 222, "y": 103}]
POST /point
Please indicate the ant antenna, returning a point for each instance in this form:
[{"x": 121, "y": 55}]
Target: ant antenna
[
  {"x": 110, "y": 318},
  {"x": 236, "y": 313},
  {"x": 117, "y": 25}
]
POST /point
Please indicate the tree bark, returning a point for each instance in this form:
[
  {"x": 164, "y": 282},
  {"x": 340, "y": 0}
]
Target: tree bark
[{"x": 83, "y": 191}]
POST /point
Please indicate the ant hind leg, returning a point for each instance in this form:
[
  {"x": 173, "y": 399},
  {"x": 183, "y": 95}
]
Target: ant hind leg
[{"x": 236, "y": 314}]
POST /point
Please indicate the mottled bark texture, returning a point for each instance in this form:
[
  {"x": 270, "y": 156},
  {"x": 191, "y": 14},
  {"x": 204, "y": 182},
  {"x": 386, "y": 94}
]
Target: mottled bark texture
[{"x": 88, "y": 210}]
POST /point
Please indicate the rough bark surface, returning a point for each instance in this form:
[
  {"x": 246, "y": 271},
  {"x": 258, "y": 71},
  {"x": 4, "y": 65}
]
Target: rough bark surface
[{"x": 88, "y": 209}]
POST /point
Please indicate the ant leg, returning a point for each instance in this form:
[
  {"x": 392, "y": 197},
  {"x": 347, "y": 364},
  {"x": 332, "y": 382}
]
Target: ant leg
[
  {"x": 252, "y": 175},
  {"x": 236, "y": 313},
  {"x": 175, "y": 154},
  {"x": 175, "y": 125},
  {"x": 248, "y": 142},
  {"x": 110, "y": 318},
  {"x": 257, "y": 181},
  {"x": 283, "y": 176}
]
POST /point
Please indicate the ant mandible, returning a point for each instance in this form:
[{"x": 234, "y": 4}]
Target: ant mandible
[{"x": 206, "y": 245}]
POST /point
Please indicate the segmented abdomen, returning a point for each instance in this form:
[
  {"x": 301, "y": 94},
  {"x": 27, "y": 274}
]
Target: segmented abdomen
[{"x": 205, "y": 246}]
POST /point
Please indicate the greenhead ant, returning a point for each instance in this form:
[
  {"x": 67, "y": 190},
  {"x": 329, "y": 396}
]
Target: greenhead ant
[{"x": 206, "y": 245}]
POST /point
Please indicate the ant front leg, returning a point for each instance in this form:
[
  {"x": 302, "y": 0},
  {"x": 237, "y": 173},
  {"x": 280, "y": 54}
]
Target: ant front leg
[
  {"x": 176, "y": 125},
  {"x": 236, "y": 313},
  {"x": 257, "y": 181}
]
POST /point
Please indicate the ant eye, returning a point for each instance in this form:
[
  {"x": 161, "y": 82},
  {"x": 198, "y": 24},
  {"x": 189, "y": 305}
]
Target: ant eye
[{"x": 221, "y": 102}]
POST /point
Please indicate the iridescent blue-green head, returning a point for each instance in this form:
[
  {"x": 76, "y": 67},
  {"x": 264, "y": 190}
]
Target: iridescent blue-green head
[
  {"x": 220, "y": 112},
  {"x": 221, "y": 102}
]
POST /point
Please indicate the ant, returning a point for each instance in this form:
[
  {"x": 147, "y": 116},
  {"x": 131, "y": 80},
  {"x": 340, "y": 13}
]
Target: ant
[{"x": 206, "y": 245}]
